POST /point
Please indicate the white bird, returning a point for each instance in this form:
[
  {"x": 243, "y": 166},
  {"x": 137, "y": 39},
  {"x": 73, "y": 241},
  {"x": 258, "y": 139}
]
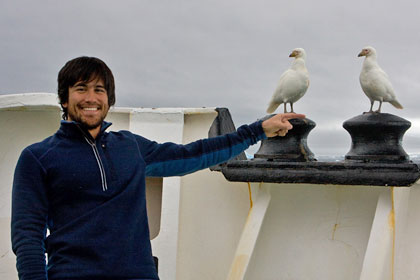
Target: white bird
[
  {"x": 375, "y": 82},
  {"x": 293, "y": 83}
]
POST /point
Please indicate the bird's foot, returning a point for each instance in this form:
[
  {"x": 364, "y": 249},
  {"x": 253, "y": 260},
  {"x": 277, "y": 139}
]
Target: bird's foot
[{"x": 372, "y": 112}]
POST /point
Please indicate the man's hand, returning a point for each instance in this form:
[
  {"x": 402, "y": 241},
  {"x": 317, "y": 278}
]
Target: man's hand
[{"x": 279, "y": 124}]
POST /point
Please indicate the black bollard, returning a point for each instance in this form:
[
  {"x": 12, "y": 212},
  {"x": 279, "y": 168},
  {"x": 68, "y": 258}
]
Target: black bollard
[
  {"x": 377, "y": 137},
  {"x": 290, "y": 148},
  {"x": 376, "y": 157}
]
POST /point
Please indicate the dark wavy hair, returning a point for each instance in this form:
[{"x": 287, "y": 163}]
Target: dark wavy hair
[{"x": 84, "y": 69}]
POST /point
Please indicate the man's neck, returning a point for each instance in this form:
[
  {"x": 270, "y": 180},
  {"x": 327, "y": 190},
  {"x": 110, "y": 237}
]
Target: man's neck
[{"x": 94, "y": 132}]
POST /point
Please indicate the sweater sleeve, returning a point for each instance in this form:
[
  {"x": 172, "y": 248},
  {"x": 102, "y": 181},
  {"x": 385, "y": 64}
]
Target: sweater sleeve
[
  {"x": 170, "y": 159},
  {"x": 29, "y": 217}
]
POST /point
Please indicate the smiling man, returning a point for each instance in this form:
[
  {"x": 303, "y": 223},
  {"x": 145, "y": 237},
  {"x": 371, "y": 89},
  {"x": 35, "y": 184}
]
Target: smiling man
[
  {"x": 86, "y": 90},
  {"x": 88, "y": 103},
  {"x": 87, "y": 186}
]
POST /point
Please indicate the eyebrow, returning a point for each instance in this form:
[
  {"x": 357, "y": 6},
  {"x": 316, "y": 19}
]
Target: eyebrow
[
  {"x": 83, "y": 84},
  {"x": 79, "y": 84}
]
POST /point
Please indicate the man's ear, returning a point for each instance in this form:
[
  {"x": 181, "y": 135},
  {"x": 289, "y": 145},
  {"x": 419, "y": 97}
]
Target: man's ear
[{"x": 64, "y": 105}]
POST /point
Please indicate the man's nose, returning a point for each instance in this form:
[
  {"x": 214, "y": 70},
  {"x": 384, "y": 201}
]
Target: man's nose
[{"x": 91, "y": 94}]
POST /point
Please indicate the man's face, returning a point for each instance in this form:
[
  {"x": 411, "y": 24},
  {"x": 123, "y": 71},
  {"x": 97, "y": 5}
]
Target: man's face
[{"x": 87, "y": 103}]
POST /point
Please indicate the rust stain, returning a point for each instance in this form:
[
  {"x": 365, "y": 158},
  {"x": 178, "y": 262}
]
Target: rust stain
[
  {"x": 334, "y": 229},
  {"x": 238, "y": 267},
  {"x": 391, "y": 223},
  {"x": 250, "y": 195},
  {"x": 338, "y": 200},
  {"x": 303, "y": 151}
]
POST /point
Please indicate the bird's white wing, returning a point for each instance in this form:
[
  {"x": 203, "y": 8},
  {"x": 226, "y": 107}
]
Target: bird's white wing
[
  {"x": 376, "y": 85},
  {"x": 278, "y": 92},
  {"x": 292, "y": 85},
  {"x": 278, "y": 95}
]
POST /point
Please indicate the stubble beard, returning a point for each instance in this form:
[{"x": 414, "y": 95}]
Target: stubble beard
[{"x": 76, "y": 115}]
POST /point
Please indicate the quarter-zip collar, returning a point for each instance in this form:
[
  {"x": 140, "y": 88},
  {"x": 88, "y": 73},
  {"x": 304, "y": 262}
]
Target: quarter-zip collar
[
  {"x": 75, "y": 129},
  {"x": 99, "y": 161},
  {"x": 72, "y": 128}
]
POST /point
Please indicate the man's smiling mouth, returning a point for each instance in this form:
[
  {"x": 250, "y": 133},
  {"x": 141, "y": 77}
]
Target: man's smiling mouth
[{"x": 89, "y": 107}]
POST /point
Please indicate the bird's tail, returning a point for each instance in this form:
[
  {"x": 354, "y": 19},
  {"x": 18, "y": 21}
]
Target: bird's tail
[
  {"x": 396, "y": 104},
  {"x": 272, "y": 107}
]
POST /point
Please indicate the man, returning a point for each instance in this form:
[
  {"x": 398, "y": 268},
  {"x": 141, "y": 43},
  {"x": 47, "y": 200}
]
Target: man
[{"x": 87, "y": 186}]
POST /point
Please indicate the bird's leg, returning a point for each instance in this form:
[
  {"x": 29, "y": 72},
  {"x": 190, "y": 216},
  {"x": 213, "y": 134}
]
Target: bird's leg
[
  {"x": 380, "y": 105},
  {"x": 371, "y": 107},
  {"x": 285, "y": 109},
  {"x": 291, "y": 107}
]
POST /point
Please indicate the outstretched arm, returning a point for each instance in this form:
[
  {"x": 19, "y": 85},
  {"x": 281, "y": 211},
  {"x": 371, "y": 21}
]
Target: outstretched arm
[
  {"x": 279, "y": 124},
  {"x": 169, "y": 159}
]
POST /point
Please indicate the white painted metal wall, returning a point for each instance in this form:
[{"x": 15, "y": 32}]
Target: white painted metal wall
[
  {"x": 22, "y": 121},
  {"x": 203, "y": 227}
]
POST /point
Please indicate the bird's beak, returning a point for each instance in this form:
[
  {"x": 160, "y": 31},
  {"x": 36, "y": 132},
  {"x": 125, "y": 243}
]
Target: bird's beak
[
  {"x": 362, "y": 53},
  {"x": 293, "y": 54}
]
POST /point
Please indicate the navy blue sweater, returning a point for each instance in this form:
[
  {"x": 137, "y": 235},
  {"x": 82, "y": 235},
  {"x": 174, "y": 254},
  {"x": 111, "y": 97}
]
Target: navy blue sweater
[{"x": 90, "y": 194}]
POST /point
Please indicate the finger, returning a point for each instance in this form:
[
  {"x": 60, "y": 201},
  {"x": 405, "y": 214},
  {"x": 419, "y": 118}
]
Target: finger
[
  {"x": 282, "y": 132},
  {"x": 286, "y": 123},
  {"x": 289, "y": 116}
]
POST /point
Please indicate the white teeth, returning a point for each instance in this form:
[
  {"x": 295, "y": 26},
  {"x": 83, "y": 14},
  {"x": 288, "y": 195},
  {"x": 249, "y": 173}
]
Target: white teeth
[{"x": 90, "y": 109}]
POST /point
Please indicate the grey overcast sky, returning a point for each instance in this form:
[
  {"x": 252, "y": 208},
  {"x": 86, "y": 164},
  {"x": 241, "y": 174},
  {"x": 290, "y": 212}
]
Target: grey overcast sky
[{"x": 222, "y": 53}]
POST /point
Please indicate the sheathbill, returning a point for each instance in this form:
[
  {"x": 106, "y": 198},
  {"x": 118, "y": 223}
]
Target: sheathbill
[
  {"x": 293, "y": 83},
  {"x": 375, "y": 82}
]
